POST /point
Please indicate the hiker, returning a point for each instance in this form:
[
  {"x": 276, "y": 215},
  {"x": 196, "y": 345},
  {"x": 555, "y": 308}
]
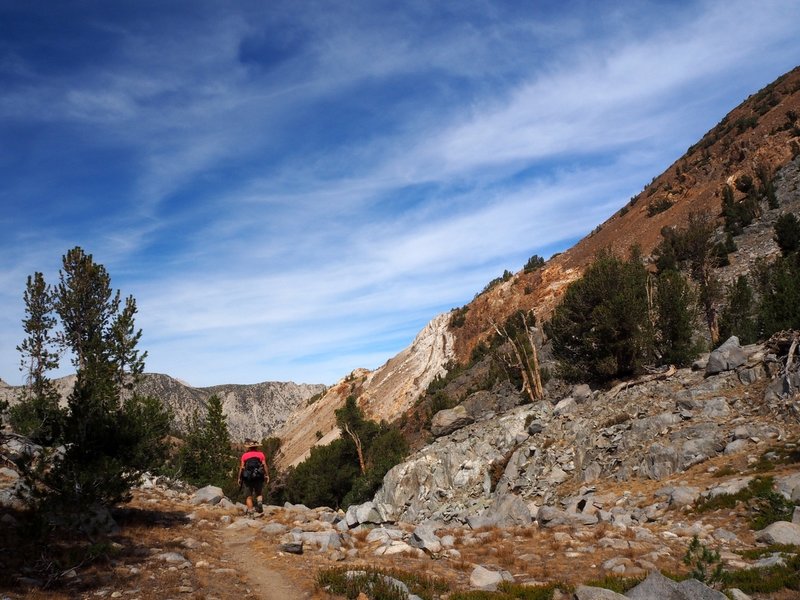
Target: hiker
[{"x": 253, "y": 473}]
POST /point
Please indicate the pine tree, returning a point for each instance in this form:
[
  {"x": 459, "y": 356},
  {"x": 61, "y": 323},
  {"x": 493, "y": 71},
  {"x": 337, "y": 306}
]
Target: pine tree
[
  {"x": 779, "y": 291},
  {"x": 218, "y": 441},
  {"x": 86, "y": 305},
  {"x": 674, "y": 302},
  {"x": 109, "y": 440},
  {"x": 700, "y": 251},
  {"x": 207, "y": 457},
  {"x": 122, "y": 339},
  {"x": 787, "y": 233},
  {"x": 192, "y": 465},
  {"x": 350, "y": 469},
  {"x": 738, "y": 317},
  {"x": 37, "y": 415},
  {"x": 601, "y": 330}
]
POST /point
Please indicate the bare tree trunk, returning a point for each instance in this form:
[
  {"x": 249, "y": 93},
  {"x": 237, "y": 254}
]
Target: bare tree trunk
[
  {"x": 538, "y": 390},
  {"x": 790, "y": 355},
  {"x": 357, "y": 442},
  {"x": 713, "y": 327},
  {"x": 528, "y": 365},
  {"x": 526, "y": 384},
  {"x": 650, "y": 288}
]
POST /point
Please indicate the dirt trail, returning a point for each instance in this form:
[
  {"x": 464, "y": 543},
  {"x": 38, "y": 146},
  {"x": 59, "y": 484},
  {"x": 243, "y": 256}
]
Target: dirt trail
[{"x": 265, "y": 583}]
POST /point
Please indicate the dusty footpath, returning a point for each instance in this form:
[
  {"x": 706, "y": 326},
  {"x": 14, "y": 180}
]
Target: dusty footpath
[{"x": 168, "y": 548}]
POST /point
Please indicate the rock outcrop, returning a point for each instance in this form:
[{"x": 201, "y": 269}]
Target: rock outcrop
[
  {"x": 649, "y": 430},
  {"x": 383, "y": 394},
  {"x": 390, "y": 390}
]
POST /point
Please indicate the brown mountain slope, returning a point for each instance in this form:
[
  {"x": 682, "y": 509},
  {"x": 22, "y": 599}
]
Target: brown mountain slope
[
  {"x": 762, "y": 133},
  {"x": 756, "y": 134}
]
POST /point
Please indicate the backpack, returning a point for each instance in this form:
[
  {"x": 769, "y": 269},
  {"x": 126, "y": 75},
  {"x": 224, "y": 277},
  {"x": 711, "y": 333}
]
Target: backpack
[{"x": 253, "y": 469}]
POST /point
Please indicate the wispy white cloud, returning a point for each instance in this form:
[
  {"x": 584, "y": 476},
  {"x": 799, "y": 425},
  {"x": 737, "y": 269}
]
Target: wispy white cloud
[{"x": 292, "y": 195}]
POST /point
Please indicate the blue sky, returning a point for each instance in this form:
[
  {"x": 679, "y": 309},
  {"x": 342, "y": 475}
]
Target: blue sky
[{"x": 292, "y": 190}]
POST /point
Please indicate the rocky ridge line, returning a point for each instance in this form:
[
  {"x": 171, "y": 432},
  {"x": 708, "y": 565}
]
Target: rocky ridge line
[{"x": 255, "y": 410}]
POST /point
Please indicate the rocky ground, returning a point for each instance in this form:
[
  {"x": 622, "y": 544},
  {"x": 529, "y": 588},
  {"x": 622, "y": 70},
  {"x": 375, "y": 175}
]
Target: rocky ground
[
  {"x": 599, "y": 483},
  {"x": 176, "y": 543}
]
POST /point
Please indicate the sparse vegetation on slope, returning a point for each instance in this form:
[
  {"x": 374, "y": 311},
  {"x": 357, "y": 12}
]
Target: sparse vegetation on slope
[{"x": 350, "y": 469}]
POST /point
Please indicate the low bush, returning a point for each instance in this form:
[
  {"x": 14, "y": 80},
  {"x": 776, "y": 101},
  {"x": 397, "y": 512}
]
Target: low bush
[
  {"x": 658, "y": 205},
  {"x": 534, "y": 262},
  {"x": 514, "y": 591},
  {"x": 764, "y": 504},
  {"x": 766, "y": 581},
  {"x": 756, "y": 553},
  {"x": 725, "y": 471},
  {"x": 705, "y": 564},
  {"x": 378, "y": 584},
  {"x": 619, "y": 585}
]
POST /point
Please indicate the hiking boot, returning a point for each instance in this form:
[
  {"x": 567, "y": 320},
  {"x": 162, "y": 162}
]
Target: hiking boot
[{"x": 259, "y": 508}]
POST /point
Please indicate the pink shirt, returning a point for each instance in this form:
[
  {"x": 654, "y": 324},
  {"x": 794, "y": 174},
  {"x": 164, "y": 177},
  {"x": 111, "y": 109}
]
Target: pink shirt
[{"x": 253, "y": 454}]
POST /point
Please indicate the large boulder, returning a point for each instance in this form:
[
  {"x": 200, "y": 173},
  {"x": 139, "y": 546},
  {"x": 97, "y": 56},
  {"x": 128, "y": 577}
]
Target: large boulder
[
  {"x": 511, "y": 510},
  {"x": 449, "y": 420},
  {"x": 658, "y": 587},
  {"x": 584, "y": 592},
  {"x": 550, "y": 516},
  {"x": 482, "y": 578},
  {"x": 210, "y": 494},
  {"x": 726, "y": 358},
  {"x": 789, "y": 486},
  {"x": 781, "y": 532},
  {"x": 324, "y": 540},
  {"x": 451, "y": 478},
  {"x": 508, "y": 510},
  {"x": 368, "y": 513},
  {"x": 425, "y": 538}
]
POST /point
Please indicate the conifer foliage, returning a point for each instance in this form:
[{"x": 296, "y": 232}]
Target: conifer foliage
[
  {"x": 109, "y": 435},
  {"x": 618, "y": 318},
  {"x": 739, "y": 314},
  {"x": 37, "y": 415},
  {"x": 350, "y": 469},
  {"x": 675, "y": 312},
  {"x": 787, "y": 233},
  {"x": 601, "y": 330},
  {"x": 207, "y": 457}
]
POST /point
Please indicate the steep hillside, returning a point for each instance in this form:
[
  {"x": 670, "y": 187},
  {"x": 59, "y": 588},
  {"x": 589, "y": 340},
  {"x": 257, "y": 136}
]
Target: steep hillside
[
  {"x": 759, "y": 133},
  {"x": 383, "y": 394},
  {"x": 762, "y": 133}
]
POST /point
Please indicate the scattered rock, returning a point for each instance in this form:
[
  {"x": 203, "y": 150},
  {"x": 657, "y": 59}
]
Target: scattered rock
[
  {"x": 173, "y": 558},
  {"x": 449, "y": 420},
  {"x": 208, "y": 495},
  {"x": 658, "y": 587},
  {"x": 274, "y": 529},
  {"x": 584, "y": 592},
  {"x": 291, "y": 547},
  {"x": 781, "y": 532},
  {"x": 425, "y": 539},
  {"x": 482, "y": 578}
]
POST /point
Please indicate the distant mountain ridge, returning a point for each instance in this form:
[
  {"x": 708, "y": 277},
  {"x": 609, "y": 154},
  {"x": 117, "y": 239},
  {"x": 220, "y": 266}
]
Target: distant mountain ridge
[{"x": 255, "y": 410}]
